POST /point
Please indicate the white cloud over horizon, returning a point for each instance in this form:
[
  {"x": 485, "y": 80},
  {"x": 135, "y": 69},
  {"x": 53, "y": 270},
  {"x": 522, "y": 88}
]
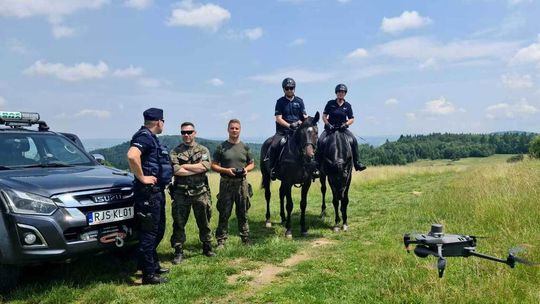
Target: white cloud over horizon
[
  {"x": 358, "y": 53},
  {"x": 77, "y": 72},
  {"x": 130, "y": 71},
  {"x": 529, "y": 54},
  {"x": 391, "y": 102},
  {"x": 206, "y": 16},
  {"x": 138, "y": 4},
  {"x": 514, "y": 81},
  {"x": 48, "y": 8},
  {"x": 440, "y": 106},
  {"x": 297, "y": 42},
  {"x": 216, "y": 82},
  {"x": 505, "y": 110},
  {"x": 250, "y": 34},
  {"x": 407, "y": 20}
]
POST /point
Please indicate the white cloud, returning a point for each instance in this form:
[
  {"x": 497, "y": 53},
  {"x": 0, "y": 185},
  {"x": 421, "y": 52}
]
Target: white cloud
[
  {"x": 208, "y": 16},
  {"x": 297, "y": 42},
  {"x": 407, "y": 20},
  {"x": 305, "y": 76},
  {"x": 80, "y": 71},
  {"x": 3, "y": 102},
  {"x": 61, "y": 31},
  {"x": 422, "y": 48},
  {"x": 93, "y": 113},
  {"x": 216, "y": 82},
  {"x": 518, "y": 2},
  {"x": 430, "y": 64},
  {"x": 510, "y": 111},
  {"x": 131, "y": 71},
  {"x": 358, "y": 53},
  {"x": 440, "y": 107},
  {"x": 138, "y": 4},
  {"x": 514, "y": 81},
  {"x": 529, "y": 54},
  {"x": 17, "y": 46},
  {"x": 49, "y": 8},
  {"x": 391, "y": 101},
  {"x": 225, "y": 115},
  {"x": 250, "y": 34},
  {"x": 150, "y": 82},
  {"x": 410, "y": 116}
]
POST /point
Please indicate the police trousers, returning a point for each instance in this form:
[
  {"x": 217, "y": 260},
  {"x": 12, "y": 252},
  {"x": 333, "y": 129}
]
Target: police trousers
[
  {"x": 202, "y": 209},
  {"x": 150, "y": 211},
  {"x": 232, "y": 191}
]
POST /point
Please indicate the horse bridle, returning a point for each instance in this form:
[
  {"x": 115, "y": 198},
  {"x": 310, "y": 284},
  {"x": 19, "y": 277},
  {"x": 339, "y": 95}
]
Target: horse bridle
[{"x": 306, "y": 144}]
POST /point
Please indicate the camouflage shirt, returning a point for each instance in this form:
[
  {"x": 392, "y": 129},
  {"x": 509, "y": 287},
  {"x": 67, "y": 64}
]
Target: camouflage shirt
[{"x": 184, "y": 154}]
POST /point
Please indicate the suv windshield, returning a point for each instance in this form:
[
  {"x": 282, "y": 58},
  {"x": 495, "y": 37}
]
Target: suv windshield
[{"x": 39, "y": 150}]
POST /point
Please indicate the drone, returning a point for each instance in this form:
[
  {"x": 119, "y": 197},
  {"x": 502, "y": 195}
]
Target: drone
[{"x": 438, "y": 244}]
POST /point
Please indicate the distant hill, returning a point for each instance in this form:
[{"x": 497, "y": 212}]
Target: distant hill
[{"x": 116, "y": 155}]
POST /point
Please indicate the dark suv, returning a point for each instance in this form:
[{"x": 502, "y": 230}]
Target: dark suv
[{"x": 56, "y": 200}]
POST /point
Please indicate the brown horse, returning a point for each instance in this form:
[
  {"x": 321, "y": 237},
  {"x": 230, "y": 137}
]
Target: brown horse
[{"x": 293, "y": 168}]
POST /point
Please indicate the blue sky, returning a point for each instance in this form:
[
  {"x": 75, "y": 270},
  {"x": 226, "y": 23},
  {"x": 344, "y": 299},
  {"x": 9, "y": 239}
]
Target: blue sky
[{"x": 412, "y": 67}]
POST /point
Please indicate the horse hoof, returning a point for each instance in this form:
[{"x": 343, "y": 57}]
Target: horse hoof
[
  {"x": 304, "y": 233},
  {"x": 288, "y": 235},
  {"x": 268, "y": 224},
  {"x": 345, "y": 227},
  {"x": 336, "y": 228}
]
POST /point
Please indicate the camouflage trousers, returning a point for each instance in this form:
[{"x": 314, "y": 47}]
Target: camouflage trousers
[
  {"x": 232, "y": 191},
  {"x": 181, "y": 207}
]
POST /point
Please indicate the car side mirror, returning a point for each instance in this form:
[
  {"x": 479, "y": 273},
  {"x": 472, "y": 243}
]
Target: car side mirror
[{"x": 99, "y": 158}]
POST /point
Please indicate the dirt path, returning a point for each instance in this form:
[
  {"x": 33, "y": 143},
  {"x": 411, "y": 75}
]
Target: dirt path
[{"x": 268, "y": 273}]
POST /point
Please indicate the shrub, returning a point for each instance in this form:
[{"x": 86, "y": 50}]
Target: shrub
[
  {"x": 534, "y": 147},
  {"x": 515, "y": 158}
]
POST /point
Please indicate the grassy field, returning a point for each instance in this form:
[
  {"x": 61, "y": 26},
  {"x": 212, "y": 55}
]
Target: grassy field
[{"x": 366, "y": 264}]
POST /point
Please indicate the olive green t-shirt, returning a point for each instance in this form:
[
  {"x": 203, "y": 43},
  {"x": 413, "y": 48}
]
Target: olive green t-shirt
[{"x": 229, "y": 155}]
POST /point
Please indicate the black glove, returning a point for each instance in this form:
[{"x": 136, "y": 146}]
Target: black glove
[
  {"x": 343, "y": 127},
  {"x": 294, "y": 125}
]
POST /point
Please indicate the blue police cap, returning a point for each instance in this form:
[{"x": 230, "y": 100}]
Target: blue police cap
[{"x": 153, "y": 114}]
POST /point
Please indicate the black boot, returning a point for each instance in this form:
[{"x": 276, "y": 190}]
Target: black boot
[
  {"x": 162, "y": 270},
  {"x": 207, "y": 250},
  {"x": 153, "y": 279},
  {"x": 178, "y": 255},
  {"x": 358, "y": 166}
]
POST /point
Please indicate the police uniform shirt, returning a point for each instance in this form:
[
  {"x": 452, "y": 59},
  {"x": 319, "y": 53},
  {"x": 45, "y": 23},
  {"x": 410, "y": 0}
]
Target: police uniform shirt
[
  {"x": 230, "y": 155},
  {"x": 143, "y": 141},
  {"x": 184, "y": 154},
  {"x": 290, "y": 110},
  {"x": 337, "y": 114}
]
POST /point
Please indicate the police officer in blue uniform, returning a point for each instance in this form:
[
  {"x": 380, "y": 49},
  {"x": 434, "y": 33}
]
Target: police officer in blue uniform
[
  {"x": 290, "y": 112},
  {"x": 150, "y": 163},
  {"x": 338, "y": 116}
]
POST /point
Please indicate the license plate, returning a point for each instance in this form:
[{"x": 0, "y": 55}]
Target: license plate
[{"x": 109, "y": 216}]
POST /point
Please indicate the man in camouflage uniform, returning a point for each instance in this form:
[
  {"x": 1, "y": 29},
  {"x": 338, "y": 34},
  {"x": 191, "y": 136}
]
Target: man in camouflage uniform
[
  {"x": 233, "y": 160},
  {"x": 190, "y": 162}
]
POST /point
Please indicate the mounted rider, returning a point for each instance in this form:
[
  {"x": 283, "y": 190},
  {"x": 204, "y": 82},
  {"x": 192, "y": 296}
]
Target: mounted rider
[
  {"x": 338, "y": 116},
  {"x": 290, "y": 112}
]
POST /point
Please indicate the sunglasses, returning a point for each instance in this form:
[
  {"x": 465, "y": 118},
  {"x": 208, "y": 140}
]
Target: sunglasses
[
  {"x": 289, "y": 89},
  {"x": 187, "y": 132}
]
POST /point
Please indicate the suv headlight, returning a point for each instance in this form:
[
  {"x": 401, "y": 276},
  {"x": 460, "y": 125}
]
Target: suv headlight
[{"x": 28, "y": 203}]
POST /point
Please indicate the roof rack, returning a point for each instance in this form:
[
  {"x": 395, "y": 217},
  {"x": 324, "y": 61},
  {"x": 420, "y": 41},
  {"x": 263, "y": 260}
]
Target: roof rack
[{"x": 22, "y": 119}]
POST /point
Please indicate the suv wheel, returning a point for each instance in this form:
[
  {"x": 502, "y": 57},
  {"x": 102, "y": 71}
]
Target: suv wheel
[{"x": 9, "y": 276}]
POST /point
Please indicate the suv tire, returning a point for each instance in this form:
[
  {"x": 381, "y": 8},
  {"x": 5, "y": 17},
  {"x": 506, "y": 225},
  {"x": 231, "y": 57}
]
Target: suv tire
[{"x": 9, "y": 276}]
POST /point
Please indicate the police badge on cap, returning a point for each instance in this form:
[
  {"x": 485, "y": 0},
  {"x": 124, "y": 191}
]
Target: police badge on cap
[{"x": 153, "y": 114}]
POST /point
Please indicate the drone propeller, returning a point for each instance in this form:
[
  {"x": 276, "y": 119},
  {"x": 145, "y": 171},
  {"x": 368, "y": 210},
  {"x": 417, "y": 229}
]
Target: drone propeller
[{"x": 513, "y": 259}]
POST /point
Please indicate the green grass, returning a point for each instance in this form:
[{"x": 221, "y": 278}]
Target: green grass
[{"x": 366, "y": 264}]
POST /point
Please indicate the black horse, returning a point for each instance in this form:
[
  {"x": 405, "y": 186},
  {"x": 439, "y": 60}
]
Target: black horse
[
  {"x": 336, "y": 164},
  {"x": 293, "y": 168}
]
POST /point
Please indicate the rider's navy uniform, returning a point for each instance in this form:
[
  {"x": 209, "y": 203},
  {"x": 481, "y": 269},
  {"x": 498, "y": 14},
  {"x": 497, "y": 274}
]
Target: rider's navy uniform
[
  {"x": 150, "y": 199},
  {"x": 291, "y": 111},
  {"x": 337, "y": 117}
]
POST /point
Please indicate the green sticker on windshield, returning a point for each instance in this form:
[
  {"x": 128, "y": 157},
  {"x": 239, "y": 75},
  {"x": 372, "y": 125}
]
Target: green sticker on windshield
[{"x": 10, "y": 115}]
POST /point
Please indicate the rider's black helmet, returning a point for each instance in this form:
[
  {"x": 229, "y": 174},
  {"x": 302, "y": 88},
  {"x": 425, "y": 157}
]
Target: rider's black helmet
[
  {"x": 341, "y": 87},
  {"x": 288, "y": 83}
]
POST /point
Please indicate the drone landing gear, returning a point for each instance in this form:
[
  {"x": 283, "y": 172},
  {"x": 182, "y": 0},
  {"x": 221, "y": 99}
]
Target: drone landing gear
[{"x": 441, "y": 265}]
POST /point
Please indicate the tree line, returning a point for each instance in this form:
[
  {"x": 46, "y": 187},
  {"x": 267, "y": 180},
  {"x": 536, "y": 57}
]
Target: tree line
[{"x": 407, "y": 149}]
